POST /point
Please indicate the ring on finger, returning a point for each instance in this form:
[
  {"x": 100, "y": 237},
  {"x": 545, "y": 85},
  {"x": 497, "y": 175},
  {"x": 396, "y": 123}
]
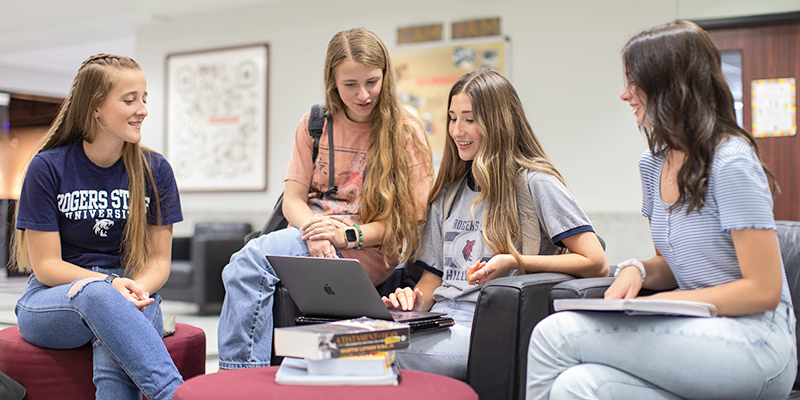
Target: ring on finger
[{"x": 327, "y": 253}]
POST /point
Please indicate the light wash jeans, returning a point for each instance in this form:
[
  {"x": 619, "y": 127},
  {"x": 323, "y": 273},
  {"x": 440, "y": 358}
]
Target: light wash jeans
[
  {"x": 583, "y": 355},
  {"x": 129, "y": 357},
  {"x": 442, "y": 352},
  {"x": 245, "y": 323}
]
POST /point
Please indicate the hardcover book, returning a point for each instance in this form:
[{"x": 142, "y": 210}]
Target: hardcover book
[
  {"x": 364, "y": 364},
  {"x": 341, "y": 338},
  {"x": 294, "y": 371},
  {"x": 639, "y": 306}
]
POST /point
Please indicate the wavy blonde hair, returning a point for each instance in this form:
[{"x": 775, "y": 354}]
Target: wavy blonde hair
[
  {"x": 388, "y": 193},
  {"x": 75, "y": 122},
  {"x": 508, "y": 145}
]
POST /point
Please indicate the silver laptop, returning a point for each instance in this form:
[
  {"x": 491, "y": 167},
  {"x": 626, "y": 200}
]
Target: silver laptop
[{"x": 329, "y": 289}]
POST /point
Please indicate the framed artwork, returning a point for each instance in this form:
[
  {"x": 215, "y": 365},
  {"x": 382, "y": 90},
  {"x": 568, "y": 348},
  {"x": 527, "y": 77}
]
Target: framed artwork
[
  {"x": 216, "y": 136},
  {"x": 425, "y": 73}
]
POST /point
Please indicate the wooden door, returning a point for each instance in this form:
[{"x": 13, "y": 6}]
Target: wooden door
[{"x": 769, "y": 52}]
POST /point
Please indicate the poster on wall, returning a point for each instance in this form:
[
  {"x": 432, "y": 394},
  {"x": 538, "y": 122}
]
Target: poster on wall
[
  {"x": 425, "y": 74},
  {"x": 216, "y": 138},
  {"x": 774, "y": 103}
]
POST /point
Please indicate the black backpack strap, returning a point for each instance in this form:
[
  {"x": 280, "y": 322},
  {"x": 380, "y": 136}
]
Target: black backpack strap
[
  {"x": 320, "y": 114},
  {"x": 316, "y": 123}
]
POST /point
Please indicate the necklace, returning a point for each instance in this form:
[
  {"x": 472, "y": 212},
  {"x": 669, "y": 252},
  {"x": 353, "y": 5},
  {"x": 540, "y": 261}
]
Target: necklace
[{"x": 670, "y": 175}]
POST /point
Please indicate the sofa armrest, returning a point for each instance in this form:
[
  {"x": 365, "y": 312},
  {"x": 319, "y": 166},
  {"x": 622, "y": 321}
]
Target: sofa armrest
[
  {"x": 587, "y": 288},
  {"x": 507, "y": 310},
  {"x": 181, "y": 248}
]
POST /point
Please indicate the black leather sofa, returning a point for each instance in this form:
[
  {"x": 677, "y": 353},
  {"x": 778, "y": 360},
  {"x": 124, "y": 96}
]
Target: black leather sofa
[{"x": 197, "y": 263}]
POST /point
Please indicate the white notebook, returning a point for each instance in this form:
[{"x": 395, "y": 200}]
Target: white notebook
[{"x": 639, "y": 306}]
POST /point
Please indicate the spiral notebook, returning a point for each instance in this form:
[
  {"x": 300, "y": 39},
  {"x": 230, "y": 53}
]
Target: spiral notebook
[{"x": 332, "y": 289}]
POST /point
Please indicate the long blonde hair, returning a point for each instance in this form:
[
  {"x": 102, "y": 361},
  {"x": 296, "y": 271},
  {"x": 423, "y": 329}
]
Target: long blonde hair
[
  {"x": 508, "y": 145},
  {"x": 388, "y": 193},
  {"x": 75, "y": 122}
]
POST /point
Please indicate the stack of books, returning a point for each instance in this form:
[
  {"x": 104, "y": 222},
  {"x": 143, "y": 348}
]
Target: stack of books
[{"x": 349, "y": 352}]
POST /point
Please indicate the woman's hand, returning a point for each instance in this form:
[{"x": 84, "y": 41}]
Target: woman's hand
[
  {"x": 627, "y": 284},
  {"x": 320, "y": 227},
  {"x": 131, "y": 290},
  {"x": 484, "y": 271},
  {"x": 321, "y": 248},
  {"x": 404, "y": 299}
]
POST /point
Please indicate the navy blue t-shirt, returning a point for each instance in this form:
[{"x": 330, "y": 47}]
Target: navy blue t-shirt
[{"x": 87, "y": 204}]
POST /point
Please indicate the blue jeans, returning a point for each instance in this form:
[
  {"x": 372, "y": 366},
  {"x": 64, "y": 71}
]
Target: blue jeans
[
  {"x": 442, "y": 352},
  {"x": 129, "y": 357},
  {"x": 583, "y": 355},
  {"x": 245, "y": 324}
]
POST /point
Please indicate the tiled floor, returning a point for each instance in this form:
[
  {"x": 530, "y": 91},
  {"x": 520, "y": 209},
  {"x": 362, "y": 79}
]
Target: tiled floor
[{"x": 11, "y": 289}]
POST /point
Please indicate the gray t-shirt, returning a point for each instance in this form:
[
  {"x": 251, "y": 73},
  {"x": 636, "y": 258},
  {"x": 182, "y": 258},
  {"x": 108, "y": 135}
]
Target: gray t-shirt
[{"x": 448, "y": 251}]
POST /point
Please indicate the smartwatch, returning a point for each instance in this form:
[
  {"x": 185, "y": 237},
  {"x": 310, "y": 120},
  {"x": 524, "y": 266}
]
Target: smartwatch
[
  {"x": 351, "y": 237},
  {"x": 110, "y": 277}
]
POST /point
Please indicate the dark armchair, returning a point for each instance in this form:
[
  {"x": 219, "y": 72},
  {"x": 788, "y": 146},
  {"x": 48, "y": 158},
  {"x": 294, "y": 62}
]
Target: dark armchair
[
  {"x": 197, "y": 262},
  {"x": 789, "y": 240},
  {"x": 507, "y": 310}
]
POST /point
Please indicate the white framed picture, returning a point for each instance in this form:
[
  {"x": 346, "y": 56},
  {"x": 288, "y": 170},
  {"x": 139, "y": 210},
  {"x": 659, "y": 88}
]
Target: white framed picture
[{"x": 216, "y": 137}]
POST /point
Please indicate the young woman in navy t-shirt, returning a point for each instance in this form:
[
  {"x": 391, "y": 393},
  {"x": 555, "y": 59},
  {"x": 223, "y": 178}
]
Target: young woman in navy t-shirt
[{"x": 94, "y": 225}]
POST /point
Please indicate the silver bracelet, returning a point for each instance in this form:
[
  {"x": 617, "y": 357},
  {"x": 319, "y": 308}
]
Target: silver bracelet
[{"x": 631, "y": 263}]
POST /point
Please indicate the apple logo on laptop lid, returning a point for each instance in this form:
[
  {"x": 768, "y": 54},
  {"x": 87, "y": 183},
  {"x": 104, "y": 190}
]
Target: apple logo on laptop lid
[{"x": 329, "y": 290}]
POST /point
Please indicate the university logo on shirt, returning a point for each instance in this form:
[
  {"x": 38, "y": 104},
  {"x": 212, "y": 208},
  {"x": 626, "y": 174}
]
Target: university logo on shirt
[
  {"x": 466, "y": 249},
  {"x": 101, "y": 227}
]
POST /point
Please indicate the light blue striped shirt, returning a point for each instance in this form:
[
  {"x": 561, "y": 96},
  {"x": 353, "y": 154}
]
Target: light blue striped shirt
[{"x": 698, "y": 247}]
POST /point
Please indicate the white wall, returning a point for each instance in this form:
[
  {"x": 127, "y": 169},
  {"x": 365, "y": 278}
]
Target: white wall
[{"x": 565, "y": 65}]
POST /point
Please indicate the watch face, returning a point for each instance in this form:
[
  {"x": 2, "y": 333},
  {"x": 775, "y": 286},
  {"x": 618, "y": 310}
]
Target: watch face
[{"x": 350, "y": 233}]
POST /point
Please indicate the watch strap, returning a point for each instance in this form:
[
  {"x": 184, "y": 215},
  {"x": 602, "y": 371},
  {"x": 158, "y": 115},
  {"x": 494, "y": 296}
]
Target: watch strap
[{"x": 110, "y": 277}]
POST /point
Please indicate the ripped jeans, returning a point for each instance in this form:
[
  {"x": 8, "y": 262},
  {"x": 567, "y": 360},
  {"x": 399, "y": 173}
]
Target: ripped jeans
[{"x": 129, "y": 356}]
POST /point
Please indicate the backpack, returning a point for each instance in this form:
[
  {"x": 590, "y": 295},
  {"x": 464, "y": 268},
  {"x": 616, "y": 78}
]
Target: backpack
[
  {"x": 530, "y": 237},
  {"x": 316, "y": 122}
]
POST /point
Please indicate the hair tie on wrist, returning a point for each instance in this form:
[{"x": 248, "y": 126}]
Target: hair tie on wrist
[{"x": 631, "y": 263}]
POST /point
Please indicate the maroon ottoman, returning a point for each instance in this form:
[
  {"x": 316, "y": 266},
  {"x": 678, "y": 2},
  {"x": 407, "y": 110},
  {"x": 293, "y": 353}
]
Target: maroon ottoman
[
  {"x": 259, "y": 383},
  {"x": 67, "y": 374}
]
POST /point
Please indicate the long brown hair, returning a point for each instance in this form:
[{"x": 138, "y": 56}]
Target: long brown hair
[
  {"x": 689, "y": 104},
  {"x": 508, "y": 145},
  {"x": 388, "y": 193},
  {"x": 75, "y": 122}
]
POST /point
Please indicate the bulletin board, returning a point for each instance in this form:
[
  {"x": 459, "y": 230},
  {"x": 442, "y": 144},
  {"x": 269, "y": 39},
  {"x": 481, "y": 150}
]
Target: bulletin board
[
  {"x": 774, "y": 103},
  {"x": 425, "y": 74}
]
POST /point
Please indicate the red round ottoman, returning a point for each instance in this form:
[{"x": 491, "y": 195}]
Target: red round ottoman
[
  {"x": 259, "y": 383},
  {"x": 67, "y": 374}
]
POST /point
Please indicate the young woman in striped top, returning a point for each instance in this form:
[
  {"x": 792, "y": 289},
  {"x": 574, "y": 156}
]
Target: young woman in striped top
[{"x": 706, "y": 193}]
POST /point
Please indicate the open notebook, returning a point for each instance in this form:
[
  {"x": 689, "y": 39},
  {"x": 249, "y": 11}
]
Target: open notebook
[{"x": 330, "y": 289}]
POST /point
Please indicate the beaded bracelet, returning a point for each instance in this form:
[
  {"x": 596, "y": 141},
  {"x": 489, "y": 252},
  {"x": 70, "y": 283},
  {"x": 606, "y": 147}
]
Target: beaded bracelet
[{"x": 360, "y": 237}]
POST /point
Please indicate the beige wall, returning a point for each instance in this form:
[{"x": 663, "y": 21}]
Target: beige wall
[{"x": 565, "y": 65}]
